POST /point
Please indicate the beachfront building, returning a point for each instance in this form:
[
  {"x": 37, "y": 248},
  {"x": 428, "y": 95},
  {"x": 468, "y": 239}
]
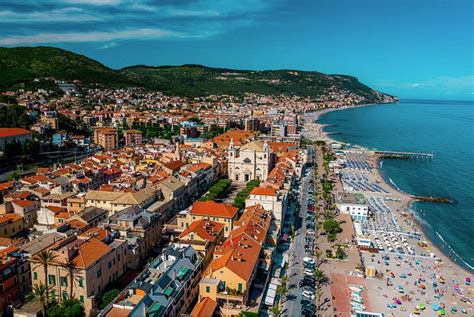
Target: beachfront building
[
  {"x": 167, "y": 287},
  {"x": 251, "y": 161},
  {"x": 352, "y": 204}
]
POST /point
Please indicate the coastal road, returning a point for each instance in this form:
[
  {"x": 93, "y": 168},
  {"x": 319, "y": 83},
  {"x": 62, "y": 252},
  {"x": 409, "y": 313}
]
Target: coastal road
[{"x": 292, "y": 306}]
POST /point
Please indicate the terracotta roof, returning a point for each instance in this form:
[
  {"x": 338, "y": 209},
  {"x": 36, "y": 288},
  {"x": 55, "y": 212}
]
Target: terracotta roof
[
  {"x": 76, "y": 224},
  {"x": 205, "y": 229},
  {"x": 263, "y": 191},
  {"x": 211, "y": 208},
  {"x": 205, "y": 308},
  {"x": 96, "y": 232},
  {"x": 23, "y": 203},
  {"x": 8, "y": 132},
  {"x": 90, "y": 251},
  {"x": 174, "y": 165},
  {"x": 9, "y": 218}
]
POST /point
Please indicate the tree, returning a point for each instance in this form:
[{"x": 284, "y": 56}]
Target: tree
[
  {"x": 332, "y": 226},
  {"x": 108, "y": 297},
  {"x": 71, "y": 269},
  {"x": 69, "y": 308},
  {"x": 318, "y": 255},
  {"x": 275, "y": 310},
  {"x": 340, "y": 253},
  {"x": 45, "y": 258},
  {"x": 320, "y": 277},
  {"x": 282, "y": 290},
  {"x": 39, "y": 293},
  {"x": 285, "y": 279}
]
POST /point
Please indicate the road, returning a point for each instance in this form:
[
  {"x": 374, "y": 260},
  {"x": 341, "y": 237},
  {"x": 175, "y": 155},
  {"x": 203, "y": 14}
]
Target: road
[{"x": 292, "y": 305}]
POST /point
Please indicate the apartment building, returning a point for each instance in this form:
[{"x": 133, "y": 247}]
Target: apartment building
[
  {"x": 167, "y": 287},
  {"x": 11, "y": 225},
  {"x": 107, "y": 138},
  {"x": 210, "y": 210},
  {"x": 96, "y": 264},
  {"x": 133, "y": 137}
]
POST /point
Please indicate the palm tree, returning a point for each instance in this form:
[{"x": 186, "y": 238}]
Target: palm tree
[
  {"x": 284, "y": 280},
  {"x": 319, "y": 294},
  {"x": 39, "y": 293},
  {"x": 71, "y": 269},
  {"x": 275, "y": 310},
  {"x": 282, "y": 290},
  {"x": 320, "y": 277},
  {"x": 318, "y": 255},
  {"x": 45, "y": 258}
]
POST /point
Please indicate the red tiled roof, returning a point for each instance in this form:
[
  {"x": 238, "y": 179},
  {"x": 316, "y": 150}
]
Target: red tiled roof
[
  {"x": 204, "y": 308},
  {"x": 211, "y": 208},
  {"x": 9, "y": 132},
  {"x": 263, "y": 191},
  {"x": 205, "y": 229}
]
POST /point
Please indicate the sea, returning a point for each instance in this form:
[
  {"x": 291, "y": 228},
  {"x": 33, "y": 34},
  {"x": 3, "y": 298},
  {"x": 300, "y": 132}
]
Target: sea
[{"x": 444, "y": 128}]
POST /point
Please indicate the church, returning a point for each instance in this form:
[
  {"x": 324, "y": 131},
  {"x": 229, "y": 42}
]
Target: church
[{"x": 251, "y": 161}]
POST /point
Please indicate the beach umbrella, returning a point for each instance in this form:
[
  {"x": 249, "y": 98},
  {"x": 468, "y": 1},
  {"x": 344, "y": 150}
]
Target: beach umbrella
[
  {"x": 422, "y": 306},
  {"x": 442, "y": 312}
]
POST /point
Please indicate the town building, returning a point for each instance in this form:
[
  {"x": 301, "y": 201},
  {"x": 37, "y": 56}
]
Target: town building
[
  {"x": 133, "y": 137},
  {"x": 167, "y": 287},
  {"x": 248, "y": 162},
  {"x": 14, "y": 135},
  {"x": 353, "y": 204},
  {"x": 107, "y": 138}
]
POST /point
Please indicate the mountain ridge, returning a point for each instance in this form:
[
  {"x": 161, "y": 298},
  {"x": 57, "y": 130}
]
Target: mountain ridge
[{"x": 22, "y": 65}]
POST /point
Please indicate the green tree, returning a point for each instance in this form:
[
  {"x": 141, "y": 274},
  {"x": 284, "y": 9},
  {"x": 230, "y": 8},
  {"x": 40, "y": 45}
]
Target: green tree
[
  {"x": 320, "y": 277},
  {"x": 108, "y": 297},
  {"x": 275, "y": 310},
  {"x": 340, "y": 253},
  {"x": 44, "y": 259},
  {"x": 39, "y": 293},
  {"x": 69, "y": 308},
  {"x": 282, "y": 290},
  {"x": 332, "y": 226}
]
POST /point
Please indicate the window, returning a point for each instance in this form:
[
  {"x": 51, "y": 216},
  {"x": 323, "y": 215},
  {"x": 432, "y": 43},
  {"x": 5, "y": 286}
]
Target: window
[
  {"x": 110, "y": 264},
  {"x": 63, "y": 281},
  {"x": 208, "y": 289},
  {"x": 81, "y": 282},
  {"x": 51, "y": 279},
  {"x": 35, "y": 275},
  {"x": 226, "y": 228},
  {"x": 65, "y": 296},
  {"x": 240, "y": 287},
  {"x": 81, "y": 298},
  {"x": 99, "y": 273},
  {"x": 53, "y": 295}
]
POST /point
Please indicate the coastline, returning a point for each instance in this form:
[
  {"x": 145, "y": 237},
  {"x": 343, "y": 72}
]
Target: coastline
[{"x": 403, "y": 209}]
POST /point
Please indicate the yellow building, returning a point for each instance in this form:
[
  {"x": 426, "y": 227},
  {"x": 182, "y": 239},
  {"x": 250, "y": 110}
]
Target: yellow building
[
  {"x": 219, "y": 212},
  {"x": 10, "y": 225},
  {"x": 95, "y": 265}
]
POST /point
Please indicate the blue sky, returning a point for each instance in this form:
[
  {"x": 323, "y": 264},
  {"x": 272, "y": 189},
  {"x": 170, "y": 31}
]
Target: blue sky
[{"x": 410, "y": 48}]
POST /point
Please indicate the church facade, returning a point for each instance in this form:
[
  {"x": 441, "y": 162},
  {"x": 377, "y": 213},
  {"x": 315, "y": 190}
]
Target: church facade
[{"x": 251, "y": 161}]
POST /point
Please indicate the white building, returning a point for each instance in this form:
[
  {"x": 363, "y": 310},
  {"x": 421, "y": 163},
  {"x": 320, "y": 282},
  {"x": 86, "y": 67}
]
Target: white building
[
  {"x": 352, "y": 204},
  {"x": 251, "y": 161},
  {"x": 271, "y": 199}
]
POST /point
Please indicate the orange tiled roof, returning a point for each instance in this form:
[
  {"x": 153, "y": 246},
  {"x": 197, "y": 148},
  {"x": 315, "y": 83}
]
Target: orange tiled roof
[
  {"x": 263, "y": 191},
  {"x": 204, "y": 308},
  {"x": 23, "y": 203},
  {"x": 9, "y": 218},
  {"x": 90, "y": 251},
  {"x": 9, "y": 132},
  {"x": 211, "y": 208},
  {"x": 205, "y": 229}
]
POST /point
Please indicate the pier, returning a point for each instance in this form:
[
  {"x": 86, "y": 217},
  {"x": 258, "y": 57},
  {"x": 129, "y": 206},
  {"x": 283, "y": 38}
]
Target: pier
[{"x": 406, "y": 155}]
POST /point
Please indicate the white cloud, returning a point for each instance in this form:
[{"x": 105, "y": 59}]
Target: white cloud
[
  {"x": 108, "y": 45},
  {"x": 144, "y": 33},
  {"x": 60, "y": 15},
  {"x": 94, "y": 2}
]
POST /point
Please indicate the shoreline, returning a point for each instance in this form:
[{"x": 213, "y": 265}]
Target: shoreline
[{"x": 412, "y": 222}]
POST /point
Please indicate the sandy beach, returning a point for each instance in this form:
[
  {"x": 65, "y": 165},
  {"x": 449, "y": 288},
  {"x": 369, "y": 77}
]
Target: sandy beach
[{"x": 420, "y": 277}]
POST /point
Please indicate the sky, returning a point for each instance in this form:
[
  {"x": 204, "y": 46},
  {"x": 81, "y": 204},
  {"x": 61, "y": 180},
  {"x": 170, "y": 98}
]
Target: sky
[{"x": 409, "y": 48}]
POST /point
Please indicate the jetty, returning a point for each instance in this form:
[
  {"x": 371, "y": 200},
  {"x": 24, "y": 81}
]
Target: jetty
[{"x": 406, "y": 155}]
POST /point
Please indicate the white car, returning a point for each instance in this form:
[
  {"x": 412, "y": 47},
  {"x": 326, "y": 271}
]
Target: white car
[
  {"x": 308, "y": 272},
  {"x": 308, "y": 294},
  {"x": 308, "y": 260}
]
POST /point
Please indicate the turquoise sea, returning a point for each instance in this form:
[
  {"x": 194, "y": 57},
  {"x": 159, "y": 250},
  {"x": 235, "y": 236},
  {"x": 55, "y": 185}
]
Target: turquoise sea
[{"x": 442, "y": 127}]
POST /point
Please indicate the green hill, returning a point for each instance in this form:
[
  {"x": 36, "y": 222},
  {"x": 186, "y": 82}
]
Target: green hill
[
  {"x": 197, "y": 80},
  {"x": 21, "y": 65}
]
